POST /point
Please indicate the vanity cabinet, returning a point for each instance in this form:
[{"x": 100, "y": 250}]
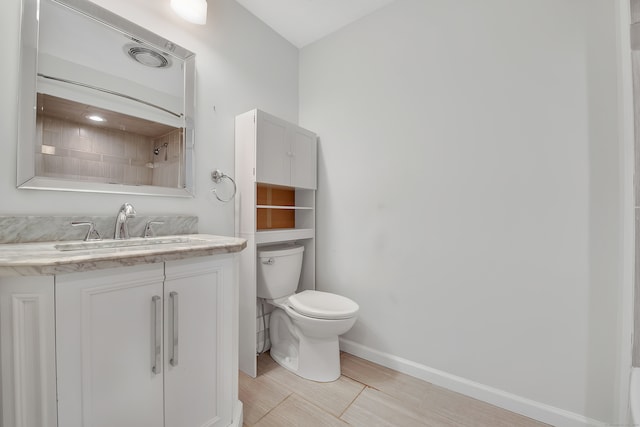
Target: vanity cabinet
[
  {"x": 144, "y": 345},
  {"x": 27, "y": 352}
]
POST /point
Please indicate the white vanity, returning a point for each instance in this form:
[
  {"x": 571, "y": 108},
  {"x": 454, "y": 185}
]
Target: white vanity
[
  {"x": 130, "y": 332},
  {"x": 142, "y": 335}
]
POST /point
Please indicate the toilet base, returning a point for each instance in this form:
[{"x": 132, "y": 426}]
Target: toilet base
[{"x": 316, "y": 359}]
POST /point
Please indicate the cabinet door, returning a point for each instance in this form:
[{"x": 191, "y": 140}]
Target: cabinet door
[
  {"x": 27, "y": 352},
  {"x": 198, "y": 343},
  {"x": 303, "y": 160},
  {"x": 273, "y": 150},
  {"x": 108, "y": 333}
]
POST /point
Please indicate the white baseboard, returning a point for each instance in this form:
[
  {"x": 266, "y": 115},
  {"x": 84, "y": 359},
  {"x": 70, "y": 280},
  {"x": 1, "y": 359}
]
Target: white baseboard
[
  {"x": 238, "y": 418},
  {"x": 521, "y": 405}
]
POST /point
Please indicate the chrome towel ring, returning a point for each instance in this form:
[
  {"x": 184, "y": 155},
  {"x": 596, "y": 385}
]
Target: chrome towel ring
[{"x": 217, "y": 176}]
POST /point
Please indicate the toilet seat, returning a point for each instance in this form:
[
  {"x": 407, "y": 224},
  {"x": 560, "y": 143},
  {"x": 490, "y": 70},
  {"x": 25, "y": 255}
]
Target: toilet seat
[{"x": 323, "y": 305}]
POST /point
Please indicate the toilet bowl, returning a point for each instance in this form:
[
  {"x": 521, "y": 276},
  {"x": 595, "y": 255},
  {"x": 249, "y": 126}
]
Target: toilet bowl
[{"x": 304, "y": 327}]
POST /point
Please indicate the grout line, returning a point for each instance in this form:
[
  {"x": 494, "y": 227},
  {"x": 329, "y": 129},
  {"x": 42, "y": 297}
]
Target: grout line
[
  {"x": 359, "y": 382},
  {"x": 321, "y": 409},
  {"x": 292, "y": 392},
  {"x": 270, "y": 410},
  {"x": 351, "y": 403}
]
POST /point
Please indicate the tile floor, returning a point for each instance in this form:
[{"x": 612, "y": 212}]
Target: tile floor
[{"x": 365, "y": 395}]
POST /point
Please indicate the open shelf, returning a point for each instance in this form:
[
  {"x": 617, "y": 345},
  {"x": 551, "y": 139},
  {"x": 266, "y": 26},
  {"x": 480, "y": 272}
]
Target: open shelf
[
  {"x": 284, "y": 207},
  {"x": 283, "y": 235}
]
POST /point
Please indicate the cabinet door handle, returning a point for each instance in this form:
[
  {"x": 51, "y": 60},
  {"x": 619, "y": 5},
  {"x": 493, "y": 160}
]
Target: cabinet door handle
[
  {"x": 156, "y": 367},
  {"x": 174, "y": 328}
]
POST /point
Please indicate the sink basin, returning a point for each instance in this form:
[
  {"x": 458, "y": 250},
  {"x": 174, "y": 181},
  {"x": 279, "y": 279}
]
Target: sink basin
[{"x": 107, "y": 244}]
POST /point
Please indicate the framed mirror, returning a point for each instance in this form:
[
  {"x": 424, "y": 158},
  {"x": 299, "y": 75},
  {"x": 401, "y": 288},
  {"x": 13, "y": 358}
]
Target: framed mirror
[{"x": 105, "y": 105}]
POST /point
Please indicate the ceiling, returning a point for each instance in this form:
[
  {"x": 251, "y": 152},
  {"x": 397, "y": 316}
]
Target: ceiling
[{"x": 305, "y": 21}]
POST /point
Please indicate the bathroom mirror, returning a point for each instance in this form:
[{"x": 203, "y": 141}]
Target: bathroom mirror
[{"x": 105, "y": 105}]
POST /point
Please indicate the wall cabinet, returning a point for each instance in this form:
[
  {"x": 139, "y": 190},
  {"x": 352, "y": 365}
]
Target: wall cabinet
[
  {"x": 276, "y": 178},
  {"x": 285, "y": 153},
  {"x": 145, "y": 345}
]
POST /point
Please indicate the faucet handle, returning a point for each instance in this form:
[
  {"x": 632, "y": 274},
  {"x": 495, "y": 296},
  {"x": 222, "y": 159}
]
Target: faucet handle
[
  {"x": 92, "y": 233},
  {"x": 128, "y": 210},
  {"x": 148, "y": 231}
]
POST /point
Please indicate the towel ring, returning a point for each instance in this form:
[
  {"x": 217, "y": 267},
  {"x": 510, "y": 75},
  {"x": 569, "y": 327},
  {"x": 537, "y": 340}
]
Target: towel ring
[{"x": 217, "y": 176}]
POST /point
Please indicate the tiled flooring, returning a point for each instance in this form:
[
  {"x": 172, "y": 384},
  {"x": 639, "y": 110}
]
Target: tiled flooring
[{"x": 365, "y": 395}]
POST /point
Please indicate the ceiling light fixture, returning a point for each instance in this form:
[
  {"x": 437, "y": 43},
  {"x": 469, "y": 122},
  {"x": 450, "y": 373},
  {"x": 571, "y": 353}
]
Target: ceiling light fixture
[
  {"x": 194, "y": 11},
  {"x": 95, "y": 118}
]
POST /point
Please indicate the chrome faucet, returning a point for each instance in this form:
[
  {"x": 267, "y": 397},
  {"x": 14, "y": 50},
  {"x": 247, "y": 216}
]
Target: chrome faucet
[{"x": 122, "y": 227}]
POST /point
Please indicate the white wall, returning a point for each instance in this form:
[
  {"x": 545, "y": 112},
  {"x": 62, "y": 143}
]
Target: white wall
[
  {"x": 468, "y": 193},
  {"x": 241, "y": 64}
]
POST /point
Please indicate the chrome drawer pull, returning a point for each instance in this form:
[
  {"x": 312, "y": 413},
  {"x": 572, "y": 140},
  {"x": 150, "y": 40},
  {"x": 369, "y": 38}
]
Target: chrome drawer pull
[
  {"x": 175, "y": 330},
  {"x": 156, "y": 367}
]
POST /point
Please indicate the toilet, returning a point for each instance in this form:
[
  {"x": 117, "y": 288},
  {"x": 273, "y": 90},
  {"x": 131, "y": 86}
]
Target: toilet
[{"x": 304, "y": 327}]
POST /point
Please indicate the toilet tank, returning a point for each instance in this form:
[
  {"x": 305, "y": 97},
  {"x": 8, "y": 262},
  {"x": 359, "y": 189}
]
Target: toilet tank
[{"x": 279, "y": 269}]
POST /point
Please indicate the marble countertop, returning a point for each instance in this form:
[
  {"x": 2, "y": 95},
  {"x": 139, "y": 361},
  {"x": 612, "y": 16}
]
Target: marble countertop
[{"x": 43, "y": 258}]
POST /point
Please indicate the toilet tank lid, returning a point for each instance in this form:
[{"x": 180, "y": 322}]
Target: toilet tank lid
[
  {"x": 323, "y": 305},
  {"x": 279, "y": 250}
]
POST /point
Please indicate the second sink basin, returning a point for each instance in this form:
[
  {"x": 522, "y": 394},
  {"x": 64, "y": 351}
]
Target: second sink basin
[{"x": 136, "y": 241}]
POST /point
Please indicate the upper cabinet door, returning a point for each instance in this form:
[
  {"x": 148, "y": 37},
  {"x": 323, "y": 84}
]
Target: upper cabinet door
[
  {"x": 285, "y": 153},
  {"x": 303, "y": 160},
  {"x": 273, "y": 151}
]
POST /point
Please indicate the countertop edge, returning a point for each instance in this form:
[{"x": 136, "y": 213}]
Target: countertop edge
[{"x": 87, "y": 261}]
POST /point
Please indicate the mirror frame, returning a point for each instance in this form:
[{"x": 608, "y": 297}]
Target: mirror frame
[{"x": 27, "y": 104}]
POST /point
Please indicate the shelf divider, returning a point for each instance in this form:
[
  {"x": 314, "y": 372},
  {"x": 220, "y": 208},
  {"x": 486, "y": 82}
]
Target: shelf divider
[{"x": 284, "y": 207}]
